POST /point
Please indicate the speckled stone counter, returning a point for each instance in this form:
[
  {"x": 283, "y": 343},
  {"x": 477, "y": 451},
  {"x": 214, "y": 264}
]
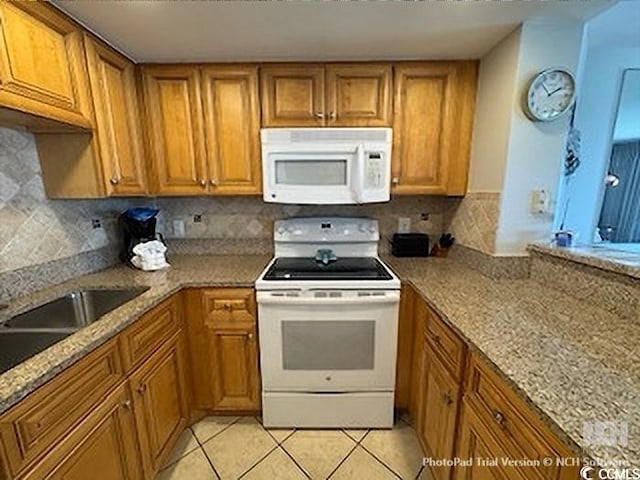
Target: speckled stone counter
[
  {"x": 573, "y": 361},
  {"x": 185, "y": 271}
]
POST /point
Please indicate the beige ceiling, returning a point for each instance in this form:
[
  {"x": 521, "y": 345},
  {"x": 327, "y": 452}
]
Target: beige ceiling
[{"x": 163, "y": 31}]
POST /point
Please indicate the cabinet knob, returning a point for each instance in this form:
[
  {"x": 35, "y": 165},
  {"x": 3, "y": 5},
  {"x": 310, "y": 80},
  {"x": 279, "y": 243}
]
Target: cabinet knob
[
  {"x": 250, "y": 336},
  {"x": 436, "y": 339},
  {"x": 395, "y": 181},
  {"x": 332, "y": 115},
  {"x": 114, "y": 181},
  {"x": 127, "y": 404},
  {"x": 319, "y": 115},
  {"x": 446, "y": 398},
  {"x": 141, "y": 388},
  {"x": 499, "y": 418},
  {"x": 203, "y": 183},
  {"x": 213, "y": 183},
  {"x": 227, "y": 306}
]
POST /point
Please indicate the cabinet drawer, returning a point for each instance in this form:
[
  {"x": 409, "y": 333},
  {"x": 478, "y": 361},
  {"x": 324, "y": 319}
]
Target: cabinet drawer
[
  {"x": 47, "y": 415},
  {"x": 229, "y": 305},
  {"x": 155, "y": 327},
  {"x": 512, "y": 422},
  {"x": 446, "y": 344}
]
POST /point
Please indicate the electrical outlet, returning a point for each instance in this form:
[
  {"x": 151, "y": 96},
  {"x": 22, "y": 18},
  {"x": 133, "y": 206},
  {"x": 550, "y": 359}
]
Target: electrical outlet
[
  {"x": 197, "y": 218},
  {"x": 96, "y": 223},
  {"x": 424, "y": 216},
  {"x": 178, "y": 228},
  {"x": 404, "y": 225}
]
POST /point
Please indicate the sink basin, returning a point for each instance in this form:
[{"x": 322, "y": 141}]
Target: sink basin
[
  {"x": 17, "y": 346},
  {"x": 73, "y": 311}
]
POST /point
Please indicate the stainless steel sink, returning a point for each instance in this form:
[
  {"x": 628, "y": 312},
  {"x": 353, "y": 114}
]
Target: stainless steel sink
[
  {"x": 35, "y": 330},
  {"x": 17, "y": 346},
  {"x": 73, "y": 311}
]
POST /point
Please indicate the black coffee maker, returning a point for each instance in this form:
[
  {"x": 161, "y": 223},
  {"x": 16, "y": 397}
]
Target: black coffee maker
[{"x": 137, "y": 225}]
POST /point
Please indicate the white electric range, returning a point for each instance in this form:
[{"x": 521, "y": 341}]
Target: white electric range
[{"x": 328, "y": 323}]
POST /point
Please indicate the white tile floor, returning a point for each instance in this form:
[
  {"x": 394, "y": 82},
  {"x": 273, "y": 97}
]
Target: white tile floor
[{"x": 239, "y": 447}]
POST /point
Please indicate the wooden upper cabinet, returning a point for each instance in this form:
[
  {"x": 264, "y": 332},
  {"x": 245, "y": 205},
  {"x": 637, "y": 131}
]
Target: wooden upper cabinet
[
  {"x": 332, "y": 95},
  {"x": 292, "y": 95},
  {"x": 41, "y": 63},
  {"x": 358, "y": 95},
  {"x": 118, "y": 127},
  {"x": 232, "y": 129},
  {"x": 175, "y": 129},
  {"x": 434, "y": 103}
]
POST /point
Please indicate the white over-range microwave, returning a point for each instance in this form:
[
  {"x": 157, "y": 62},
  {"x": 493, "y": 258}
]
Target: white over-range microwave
[{"x": 326, "y": 165}]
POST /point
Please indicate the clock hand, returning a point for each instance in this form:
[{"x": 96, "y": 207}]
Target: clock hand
[
  {"x": 545, "y": 89},
  {"x": 555, "y": 91}
]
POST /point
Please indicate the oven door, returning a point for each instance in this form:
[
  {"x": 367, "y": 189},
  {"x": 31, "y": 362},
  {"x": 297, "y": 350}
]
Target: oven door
[
  {"x": 311, "y": 176},
  {"x": 328, "y": 341}
]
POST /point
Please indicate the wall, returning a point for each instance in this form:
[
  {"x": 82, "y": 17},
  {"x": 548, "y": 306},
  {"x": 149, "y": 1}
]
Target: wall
[
  {"x": 536, "y": 150},
  {"x": 475, "y": 218},
  {"x": 610, "y": 49},
  {"x": 34, "y": 229}
]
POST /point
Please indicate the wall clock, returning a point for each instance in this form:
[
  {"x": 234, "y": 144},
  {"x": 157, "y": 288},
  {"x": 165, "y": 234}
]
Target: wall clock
[{"x": 551, "y": 93}]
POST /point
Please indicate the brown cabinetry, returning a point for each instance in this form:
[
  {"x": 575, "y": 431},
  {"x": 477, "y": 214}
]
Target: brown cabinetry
[
  {"x": 41, "y": 65},
  {"x": 160, "y": 402},
  {"x": 104, "y": 446},
  {"x": 222, "y": 330},
  {"x": 334, "y": 95},
  {"x": 432, "y": 126},
  {"x": 110, "y": 160},
  {"x": 117, "y": 118},
  {"x": 200, "y": 150}
]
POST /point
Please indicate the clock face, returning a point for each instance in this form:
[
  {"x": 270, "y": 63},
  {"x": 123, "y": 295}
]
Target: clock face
[{"x": 550, "y": 94}]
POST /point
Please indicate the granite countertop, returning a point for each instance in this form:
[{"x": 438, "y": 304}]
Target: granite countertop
[
  {"x": 574, "y": 362},
  {"x": 185, "y": 271}
]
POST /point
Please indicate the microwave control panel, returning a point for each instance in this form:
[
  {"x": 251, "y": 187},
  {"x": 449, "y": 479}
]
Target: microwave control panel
[{"x": 374, "y": 171}]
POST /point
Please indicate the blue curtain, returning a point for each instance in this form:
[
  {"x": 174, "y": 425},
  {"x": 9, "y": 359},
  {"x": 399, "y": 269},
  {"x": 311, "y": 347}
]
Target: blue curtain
[{"x": 621, "y": 207}]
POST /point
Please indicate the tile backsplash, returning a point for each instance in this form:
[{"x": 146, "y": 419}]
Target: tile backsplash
[
  {"x": 474, "y": 220},
  {"x": 35, "y": 229}
]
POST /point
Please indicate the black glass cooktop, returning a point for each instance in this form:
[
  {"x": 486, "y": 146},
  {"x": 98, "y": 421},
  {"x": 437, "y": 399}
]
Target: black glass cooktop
[{"x": 346, "y": 268}]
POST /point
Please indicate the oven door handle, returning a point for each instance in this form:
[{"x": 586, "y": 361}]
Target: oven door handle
[{"x": 267, "y": 298}]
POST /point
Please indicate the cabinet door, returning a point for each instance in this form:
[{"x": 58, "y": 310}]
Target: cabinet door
[
  {"x": 292, "y": 95},
  {"x": 160, "y": 402},
  {"x": 103, "y": 447},
  {"x": 115, "y": 100},
  {"x": 175, "y": 129},
  {"x": 233, "y": 366},
  {"x": 432, "y": 127},
  {"x": 477, "y": 444},
  {"x": 41, "y": 67},
  {"x": 405, "y": 347},
  {"x": 439, "y": 411},
  {"x": 358, "y": 95},
  {"x": 415, "y": 390},
  {"x": 232, "y": 126}
]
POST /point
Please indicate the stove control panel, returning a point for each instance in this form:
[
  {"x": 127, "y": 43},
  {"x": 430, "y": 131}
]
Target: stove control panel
[{"x": 326, "y": 229}]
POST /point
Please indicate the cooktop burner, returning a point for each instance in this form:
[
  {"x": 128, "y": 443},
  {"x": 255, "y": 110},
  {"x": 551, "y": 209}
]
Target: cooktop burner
[{"x": 346, "y": 268}]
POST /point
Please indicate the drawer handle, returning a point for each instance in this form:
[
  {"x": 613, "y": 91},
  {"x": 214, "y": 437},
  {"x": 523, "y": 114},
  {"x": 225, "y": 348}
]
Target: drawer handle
[
  {"x": 141, "y": 388},
  {"x": 499, "y": 418},
  {"x": 446, "y": 398},
  {"x": 227, "y": 306}
]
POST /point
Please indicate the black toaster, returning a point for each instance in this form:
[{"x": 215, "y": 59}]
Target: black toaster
[{"x": 410, "y": 245}]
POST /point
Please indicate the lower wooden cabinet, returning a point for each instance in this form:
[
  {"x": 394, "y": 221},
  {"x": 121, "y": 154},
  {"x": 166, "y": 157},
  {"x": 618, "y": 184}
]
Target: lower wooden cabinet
[
  {"x": 223, "y": 343},
  {"x": 160, "y": 402},
  {"x": 103, "y": 447},
  {"x": 415, "y": 390},
  {"x": 438, "y": 411}
]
